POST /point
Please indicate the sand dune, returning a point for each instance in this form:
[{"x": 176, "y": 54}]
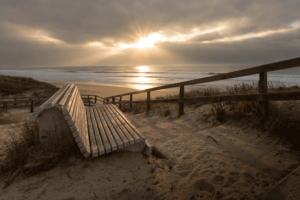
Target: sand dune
[{"x": 226, "y": 161}]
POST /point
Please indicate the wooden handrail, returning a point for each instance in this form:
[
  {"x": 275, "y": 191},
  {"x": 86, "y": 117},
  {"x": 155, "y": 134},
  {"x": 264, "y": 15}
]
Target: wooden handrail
[
  {"x": 263, "y": 96},
  {"x": 240, "y": 73}
]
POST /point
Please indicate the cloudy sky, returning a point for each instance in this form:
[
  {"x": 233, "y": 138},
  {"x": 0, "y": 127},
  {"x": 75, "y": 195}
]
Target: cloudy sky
[{"x": 133, "y": 32}]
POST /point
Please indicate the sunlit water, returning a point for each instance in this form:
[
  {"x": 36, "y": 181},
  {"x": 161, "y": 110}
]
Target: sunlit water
[{"x": 143, "y": 77}]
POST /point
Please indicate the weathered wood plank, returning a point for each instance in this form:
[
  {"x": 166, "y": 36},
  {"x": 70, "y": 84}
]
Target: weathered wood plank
[
  {"x": 94, "y": 147},
  {"x": 120, "y": 122},
  {"x": 69, "y": 114},
  {"x": 129, "y": 129},
  {"x": 129, "y": 123},
  {"x": 57, "y": 97},
  {"x": 96, "y": 133},
  {"x": 245, "y": 72},
  {"x": 84, "y": 130},
  {"x": 107, "y": 130},
  {"x": 104, "y": 138},
  {"x": 69, "y": 101},
  {"x": 112, "y": 118},
  {"x": 63, "y": 100},
  {"x": 181, "y": 104},
  {"x": 111, "y": 128},
  {"x": 280, "y": 96}
]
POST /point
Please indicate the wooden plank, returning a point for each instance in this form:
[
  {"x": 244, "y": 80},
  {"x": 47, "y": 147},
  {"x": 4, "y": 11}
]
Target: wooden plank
[
  {"x": 104, "y": 138},
  {"x": 278, "y": 96},
  {"x": 94, "y": 147},
  {"x": 148, "y": 102},
  {"x": 112, "y": 118},
  {"x": 154, "y": 101},
  {"x": 63, "y": 100},
  {"x": 181, "y": 104},
  {"x": 69, "y": 101},
  {"x": 96, "y": 133},
  {"x": 122, "y": 125},
  {"x": 263, "y": 88},
  {"x": 245, "y": 72},
  {"x": 83, "y": 132},
  {"x": 129, "y": 123},
  {"x": 73, "y": 113},
  {"x": 46, "y": 104},
  {"x": 129, "y": 129},
  {"x": 111, "y": 128},
  {"x": 57, "y": 97},
  {"x": 107, "y": 131},
  {"x": 71, "y": 105}
]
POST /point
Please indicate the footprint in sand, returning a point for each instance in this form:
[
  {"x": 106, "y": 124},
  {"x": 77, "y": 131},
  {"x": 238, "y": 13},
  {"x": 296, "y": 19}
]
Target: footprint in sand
[
  {"x": 218, "y": 179},
  {"x": 203, "y": 185}
]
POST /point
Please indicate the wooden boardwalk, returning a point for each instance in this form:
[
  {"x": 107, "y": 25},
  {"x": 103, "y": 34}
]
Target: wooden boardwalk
[
  {"x": 97, "y": 130},
  {"x": 110, "y": 130}
]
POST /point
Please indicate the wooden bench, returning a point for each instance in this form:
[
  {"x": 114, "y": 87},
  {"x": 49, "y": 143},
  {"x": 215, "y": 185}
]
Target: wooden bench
[{"x": 97, "y": 130}]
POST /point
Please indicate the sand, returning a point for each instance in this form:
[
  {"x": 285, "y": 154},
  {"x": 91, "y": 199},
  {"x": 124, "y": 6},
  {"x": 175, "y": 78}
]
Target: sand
[
  {"x": 227, "y": 161},
  {"x": 107, "y": 91}
]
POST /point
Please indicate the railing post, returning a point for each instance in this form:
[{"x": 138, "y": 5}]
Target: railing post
[
  {"x": 148, "y": 102},
  {"x": 31, "y": 106},
  {"x": 130, "y": 105},
  {"x": 15, "y": 101},
  {"x": 113, "y": 101},
  {"x": 5, "y": 106},
  {"x": 120, "y": 102},
  {"x": 95, "y": 99},
  {"x": 181, "y": 104},
  {"x": 263, "y": 88},
  {"x": 107, "y": 101}
]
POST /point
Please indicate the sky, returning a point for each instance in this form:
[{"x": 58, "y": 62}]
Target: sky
[{"x": 45, "y": 33}]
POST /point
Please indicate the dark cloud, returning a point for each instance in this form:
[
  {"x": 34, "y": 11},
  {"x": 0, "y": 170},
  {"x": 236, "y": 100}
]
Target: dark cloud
[{"x": 75, "y": 23}]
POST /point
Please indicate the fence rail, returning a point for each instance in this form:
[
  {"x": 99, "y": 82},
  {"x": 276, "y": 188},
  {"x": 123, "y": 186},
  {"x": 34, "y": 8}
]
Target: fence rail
[
  {"x": 96, "y": 98},
  {"x": 17, "y": 103},
  {"x": 263, "y": 97}
]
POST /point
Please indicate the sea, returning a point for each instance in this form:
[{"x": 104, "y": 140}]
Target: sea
[{"x": 147, "y": 76}]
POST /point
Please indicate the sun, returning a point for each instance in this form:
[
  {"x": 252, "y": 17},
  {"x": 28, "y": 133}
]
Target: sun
[{"x": 143, "y": 43}]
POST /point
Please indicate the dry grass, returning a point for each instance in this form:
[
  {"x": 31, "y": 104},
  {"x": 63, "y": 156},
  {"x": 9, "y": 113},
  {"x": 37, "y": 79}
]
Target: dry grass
[
  {"x": 283, "y": 120},
  {"x": 26, "y": 155},
  {"x": 13, "y": 85}
]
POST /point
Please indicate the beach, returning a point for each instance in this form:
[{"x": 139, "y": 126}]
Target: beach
[
  {"x": 226, "y": 161},
  {"x": 107, "y": 91}
]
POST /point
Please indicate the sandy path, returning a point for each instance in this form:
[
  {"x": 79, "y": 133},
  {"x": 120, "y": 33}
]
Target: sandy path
[{"x": 239, "y": 165}]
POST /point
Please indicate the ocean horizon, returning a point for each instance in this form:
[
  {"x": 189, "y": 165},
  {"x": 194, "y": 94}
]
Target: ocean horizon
[{"x": 147, "y": 76}]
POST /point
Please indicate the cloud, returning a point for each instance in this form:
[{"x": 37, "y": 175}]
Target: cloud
[{"x": 73, "y": 32}]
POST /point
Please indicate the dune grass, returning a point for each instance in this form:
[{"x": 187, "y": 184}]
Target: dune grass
[
  {"x": 14, "y": 85},
  {"x": 24, "y": 154},
  {"x": 283, "y": 120}
]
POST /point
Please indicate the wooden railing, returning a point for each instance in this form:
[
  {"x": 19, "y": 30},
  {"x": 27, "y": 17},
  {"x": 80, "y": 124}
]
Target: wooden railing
[
  {"x": 262, "y": 96},
  {"x": 89, "y": 98},
  {"x": 23, "y": 101}
]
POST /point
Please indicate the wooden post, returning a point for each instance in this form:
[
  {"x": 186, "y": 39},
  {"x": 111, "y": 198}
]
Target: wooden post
[
  {"x": 181, "y": 104},
  {"x": 120, "y": 102},
  {"x": 5, "y": 106},
  {"x": 31, "y": 106},
  {"x": 130, "y": 105},
  {"x": 95, "y": 99},
  {"x": 148, "y": 102},
  {"x": 113, "y": 101},
  {"x": 263, "y": 88},
  {"x": 107, "y": 101},
  {"x": 15, "y": 101}
]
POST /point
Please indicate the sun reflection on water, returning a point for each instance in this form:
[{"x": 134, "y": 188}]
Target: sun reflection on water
[{"x": 141, "y": 81}]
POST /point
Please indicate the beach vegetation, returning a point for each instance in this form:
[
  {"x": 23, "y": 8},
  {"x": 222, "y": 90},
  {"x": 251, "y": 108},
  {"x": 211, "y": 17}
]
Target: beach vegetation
[
  {"x": 283, "y": 119},
  {"x": 14, "y": 85}
]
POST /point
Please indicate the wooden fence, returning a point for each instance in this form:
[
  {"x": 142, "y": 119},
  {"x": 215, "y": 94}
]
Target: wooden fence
[
  {"x": 22, "y": 101},
  {"x": 89, "y": 99},
  {"x": 263, "y": 97}
]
